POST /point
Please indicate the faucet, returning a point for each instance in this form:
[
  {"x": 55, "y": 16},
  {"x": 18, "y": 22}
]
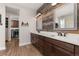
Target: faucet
[
  {"x": 64, "y": 34},
  {"x": 61, "y": 34}
]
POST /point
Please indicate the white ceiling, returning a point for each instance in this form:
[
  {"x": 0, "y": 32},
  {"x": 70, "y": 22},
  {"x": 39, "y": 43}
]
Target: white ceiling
[
  {"x": 30, "y": 6},
  {"x": 12, "y": 11},
  {"x": 33, "y": 6}
]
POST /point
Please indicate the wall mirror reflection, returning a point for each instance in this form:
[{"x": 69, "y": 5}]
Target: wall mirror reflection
[{"x": 65, "y": 21}]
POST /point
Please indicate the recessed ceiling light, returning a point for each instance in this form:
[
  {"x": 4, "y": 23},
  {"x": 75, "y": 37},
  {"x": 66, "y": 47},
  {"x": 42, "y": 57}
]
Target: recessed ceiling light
[{"x": 53, "y": 4}]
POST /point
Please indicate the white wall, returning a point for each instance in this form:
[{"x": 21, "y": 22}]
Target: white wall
[
  {"x": 24, "y": 31},
  {"x": 26, "y": 16},
  {"x": 2, "y": 27}
]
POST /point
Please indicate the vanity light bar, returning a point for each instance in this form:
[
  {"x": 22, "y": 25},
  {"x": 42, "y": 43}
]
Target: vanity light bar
[{"x": 38, "y": 14}]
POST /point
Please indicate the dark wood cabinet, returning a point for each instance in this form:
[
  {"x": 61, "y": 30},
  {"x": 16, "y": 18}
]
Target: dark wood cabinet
[
  {"x": 59, "y": 48},
  {"x": 48, "y": 49},
  {"x": 60, "y": 52},
  {"x": 65, "y": 47},
  {"x": 37, "y": 42},
  {"x": 40, "y": 44},
  {"x": 52, "y": 47},
  {"x": 76, "y": 50}
]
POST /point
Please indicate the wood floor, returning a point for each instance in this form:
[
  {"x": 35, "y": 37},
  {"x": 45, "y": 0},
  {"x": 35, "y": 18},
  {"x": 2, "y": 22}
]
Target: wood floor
[{"x": 13, "y": 49}]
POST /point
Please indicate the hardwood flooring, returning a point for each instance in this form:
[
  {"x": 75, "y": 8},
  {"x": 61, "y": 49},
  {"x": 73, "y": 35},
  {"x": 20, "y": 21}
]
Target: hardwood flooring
[{"x": 13, "y": 49}]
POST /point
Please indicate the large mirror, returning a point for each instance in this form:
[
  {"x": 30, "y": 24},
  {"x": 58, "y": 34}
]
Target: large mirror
[
  {"x": 63, "y": 17},
  {"x": 66, "y": 20}
]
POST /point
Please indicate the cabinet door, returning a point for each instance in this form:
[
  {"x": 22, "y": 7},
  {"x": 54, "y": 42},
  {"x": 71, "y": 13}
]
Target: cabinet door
[
  {"x": 59, "y": 48},
  {"x": 34, "y": 38},
  {"x": 76, "y": 50},
  {"x": 41, "y": 44},
  {"x": 48, "y": 49},
  {"x": 65, "y": 46}
]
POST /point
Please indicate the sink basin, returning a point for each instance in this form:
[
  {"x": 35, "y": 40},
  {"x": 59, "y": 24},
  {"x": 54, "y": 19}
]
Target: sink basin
[{"x": 52, "y": 35}]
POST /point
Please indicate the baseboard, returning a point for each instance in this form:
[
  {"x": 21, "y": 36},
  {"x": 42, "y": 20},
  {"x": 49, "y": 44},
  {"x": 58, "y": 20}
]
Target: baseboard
[{"x": 22, "y": 44}]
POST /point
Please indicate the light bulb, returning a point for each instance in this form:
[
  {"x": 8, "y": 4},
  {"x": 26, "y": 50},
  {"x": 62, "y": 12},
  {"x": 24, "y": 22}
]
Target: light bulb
[{"x": 53, "y": 4}]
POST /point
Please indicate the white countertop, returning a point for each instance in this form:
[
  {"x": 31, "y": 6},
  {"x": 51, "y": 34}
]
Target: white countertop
[{"x": 70, "y": 38}]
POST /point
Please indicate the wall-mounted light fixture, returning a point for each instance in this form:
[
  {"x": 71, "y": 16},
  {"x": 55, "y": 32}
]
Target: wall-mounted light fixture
[
  {"x": 37, "y": 15},
  {"x": 25, "y": 24}
]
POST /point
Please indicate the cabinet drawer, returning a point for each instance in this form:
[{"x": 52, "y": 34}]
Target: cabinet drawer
[
  {"x": 64, "y": 45},
  {"x": 61, "y": 52}
]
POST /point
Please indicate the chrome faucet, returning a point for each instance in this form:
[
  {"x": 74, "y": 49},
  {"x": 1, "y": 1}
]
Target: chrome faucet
[
  {"x": 61, "y": 34},
  {"x": 64, "y": 34}
]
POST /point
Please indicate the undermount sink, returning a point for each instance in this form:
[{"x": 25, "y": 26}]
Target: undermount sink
[{"x": 52, "y": 35}]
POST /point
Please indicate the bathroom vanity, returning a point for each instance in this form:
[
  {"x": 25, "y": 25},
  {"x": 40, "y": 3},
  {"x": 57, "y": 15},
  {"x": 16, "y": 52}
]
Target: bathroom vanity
[
  {"x": 54, "y": 46},
  {"x": 64, "y": 18}
]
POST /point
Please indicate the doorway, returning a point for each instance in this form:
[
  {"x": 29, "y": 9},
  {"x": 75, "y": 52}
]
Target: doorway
[{"x": 12, "y": 27}]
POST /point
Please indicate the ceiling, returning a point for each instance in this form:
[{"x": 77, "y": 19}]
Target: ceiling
[
  {"x": 30, "y": 6},
  {"x": 33, "y": 6},
  {"x": 10, "y": 10}
]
